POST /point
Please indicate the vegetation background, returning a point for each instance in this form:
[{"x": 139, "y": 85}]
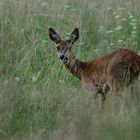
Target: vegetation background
[{"x": 39, "y": 98}]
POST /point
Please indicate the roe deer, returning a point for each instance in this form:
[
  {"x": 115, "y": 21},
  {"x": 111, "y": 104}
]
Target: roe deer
[{"x": 109, "y": 72}]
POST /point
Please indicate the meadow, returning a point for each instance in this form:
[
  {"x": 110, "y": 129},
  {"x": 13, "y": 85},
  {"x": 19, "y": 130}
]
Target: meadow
[{"x": 39, "y": 98}]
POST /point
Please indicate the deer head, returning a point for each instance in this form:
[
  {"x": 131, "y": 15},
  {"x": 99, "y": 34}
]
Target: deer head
[{"x": 64, "y": 46}]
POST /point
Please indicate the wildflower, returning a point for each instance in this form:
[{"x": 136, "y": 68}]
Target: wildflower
[
  {"x": 124, "y": 19},
  {"x": 60, "y": 16},
  {"x": 109, "y": 8},
  {"x": 34, "y": 93},
  {"x": 130, "y": 15},
  {"x": 132, "y": 23},
  {"x": 112, "y": 44},
  {"x": 43, "y": 4},
  {"x": 118, "y": 28},
  {"x": 134, "y": 27},
  {"x": 117, "y": 16},
  {"x": 73, "y": 10},
  {"x": 44, "y": 41},
  {"x": 81, "y": 43},
  {"x": 68, "y": 34},
  {"x": 134, "y": 32},
  {"x": 101, "y": 28},
  {"x": 133, "y": 35},
  {"x": 120, "y": 41},
  {"x": 109, "y": 31},
  {"x": 133, "y": 20},
  {"x": 96, "y": 50},
  {"x": 66, "y": 6},
  {"x": 34, "y": 78},
  {"x": 17, "y": 78}
]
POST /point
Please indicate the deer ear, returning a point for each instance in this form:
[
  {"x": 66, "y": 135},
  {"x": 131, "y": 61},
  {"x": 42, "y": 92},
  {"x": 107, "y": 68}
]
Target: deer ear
[
  {"x": 54, "y": 36},
  {"x": 74, "y": 36}
]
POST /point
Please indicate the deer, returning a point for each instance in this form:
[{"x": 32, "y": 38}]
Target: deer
[{"x": 111, "y": 72}]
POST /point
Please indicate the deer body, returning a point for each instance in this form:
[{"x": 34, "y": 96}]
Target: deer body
[{"x": 112, "y": 71}]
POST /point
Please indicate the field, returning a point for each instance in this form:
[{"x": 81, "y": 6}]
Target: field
[{"x": 39, "y": 98}]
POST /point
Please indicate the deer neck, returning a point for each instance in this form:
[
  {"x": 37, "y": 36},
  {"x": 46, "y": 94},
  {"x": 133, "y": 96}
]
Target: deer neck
[{"x": 74, "y": 65}]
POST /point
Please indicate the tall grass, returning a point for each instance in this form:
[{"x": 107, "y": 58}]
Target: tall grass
[{"x": 39, "y": 98}]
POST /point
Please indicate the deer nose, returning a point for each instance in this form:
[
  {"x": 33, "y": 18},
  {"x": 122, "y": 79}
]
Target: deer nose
[{"x": 62, "y": 56}]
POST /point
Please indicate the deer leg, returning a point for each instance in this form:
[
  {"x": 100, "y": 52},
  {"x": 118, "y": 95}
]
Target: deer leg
[
  {"x": 102, "y": 91},
  {"x": 95, "y": 101},
  {"x": 102, "y": 98},
  {"x": 99, "y": 101},
  {"x": 118, "y": 93},
  {"x": 99, "y": 92}
]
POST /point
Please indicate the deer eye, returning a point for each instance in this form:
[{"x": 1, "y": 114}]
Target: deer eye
[{"x": 58, "y": 48}]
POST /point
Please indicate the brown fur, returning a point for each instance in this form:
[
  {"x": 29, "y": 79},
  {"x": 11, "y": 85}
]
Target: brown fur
[{"x": 113, "y": 71}]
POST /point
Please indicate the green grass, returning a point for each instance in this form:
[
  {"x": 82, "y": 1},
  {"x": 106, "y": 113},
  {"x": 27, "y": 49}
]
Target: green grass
[{"x": 39, "y": 98}]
